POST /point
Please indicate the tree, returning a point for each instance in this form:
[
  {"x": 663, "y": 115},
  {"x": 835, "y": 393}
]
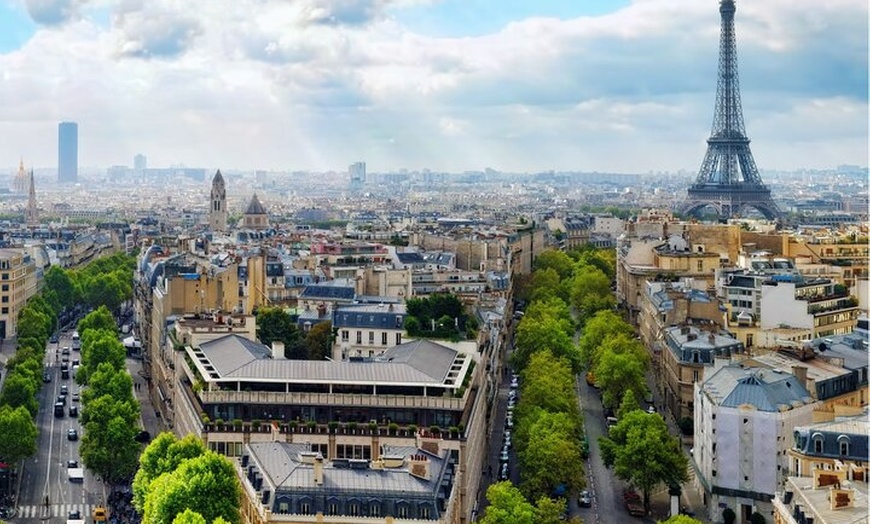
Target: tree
[
  {"x": 106, "y": 380},
  {"x": 545, "y": 284},
  {"x": 536, "y": 335},
  {"x": 19, "y": 434},
  {"x": 629, "y": 403},
  {"x": 189, "y": 516},
  {"x": 98, "y": 319},
  {"x": 729, "y": 516},
  {"x": 207, "y": 484},
  {"x": 757, "y": 518},
  {"x": 59, "y": 281},
  {"x": 507, "y": 505},
  {"x": 551, "y": 307},
  {"x": 163, "y": 455},
  {"x": 603, "y": 325},
  {"x": 551, "y": 460},
  {"x": 100, "y": 346},
  {"x": 680, "y": 519},
  {"x": 109, "y": 446},
  {"x": 317, "y": 341},
  {"x": 643, "y": 453},
  {"x": 621, "y": 365},
  {"x": 273, "y": 323},
  {"x": 20, "y": 391},
  {"x": 558, "y": 261},
  {"x": 590, "y": 292},
  {"x": 550, "y": 511},
  {"x": 548, "y": 383}
]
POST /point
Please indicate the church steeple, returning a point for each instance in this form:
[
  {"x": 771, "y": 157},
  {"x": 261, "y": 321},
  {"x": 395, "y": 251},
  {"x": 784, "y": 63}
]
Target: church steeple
[
  {"x": 31, "y": 214},
  {"x": 217, "y": 213}
]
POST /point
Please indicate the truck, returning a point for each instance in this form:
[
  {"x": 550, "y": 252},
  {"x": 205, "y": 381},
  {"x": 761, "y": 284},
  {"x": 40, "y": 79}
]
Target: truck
[
  {"x": 76, "y": 475},
  {"x": 633, "y": 503}
]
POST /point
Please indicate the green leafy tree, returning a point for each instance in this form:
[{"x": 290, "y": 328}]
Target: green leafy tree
[
  {"x": 546, "y": 284},
  {"x": 98, "y": 319},
  {"x": 757, "y": 518},
  {"x": 109, "y": 446},
  {"x": 550, "y": 511},
  {"x": 616, "y": 373},
  {"x": 554, "y": 308},
  {"x": 34, "y": 324},
  {"x": 207, "y": 484},
  {"x": 318, "y": 341},
  {"x": 536, "y": 335},
  {"x": 603, "y": 325},
  {"x": 603, "y": 259},
  {"x": 550, "y": 460},
  {"x": 19, "y": 434},
  {"x": 20, "y": 390},
  {"x": 273, "y": 323},
  {"x": 189, "y": 516},
  {"x": 548, "y": 383},
  {"x": 99, "y": 347},
  {"x": 163, "y": 455},
  {"x": 558, "y": 261},
  {"x": 729, "y": 516},
  {"x": 629, "y": 403},
  {"x": 642, "y": 452},
  {"x": 680, "y": 519},
  {"x": 59, "y": 281},
  {"x": 507, "y": 505},
  {"x": 106, "y": 380},
  {"x": 590, "y": 292}
]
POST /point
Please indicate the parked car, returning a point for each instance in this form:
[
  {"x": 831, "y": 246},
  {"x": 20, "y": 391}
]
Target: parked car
[
  {"x": 507, "y": 441},
  {"x": 54, "y": 339},
  {"x": 75, "y": 396},
  {"x": 585, "y": 499},
  {"x": 72, "y": 434},
  {"x": 72, "y": 464},
  {"x": 503, "y": 472},
  {"x": 509, "y": 423},
  {"x": 46, "y": 377},
  {"x": 504, "y": 456},
  {"x": 74, "y": 411}
]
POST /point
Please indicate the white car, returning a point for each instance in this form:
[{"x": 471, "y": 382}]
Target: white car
[{"x": 504, "y": 456}]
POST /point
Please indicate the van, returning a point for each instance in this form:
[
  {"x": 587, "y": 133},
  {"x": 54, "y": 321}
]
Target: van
[
  {"x": 58, "y": 409},
  {"x": 612, "y": 421}
]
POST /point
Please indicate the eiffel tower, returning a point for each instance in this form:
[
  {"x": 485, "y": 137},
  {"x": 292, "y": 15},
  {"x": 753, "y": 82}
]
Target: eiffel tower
[{"x": 728, "y": 180}]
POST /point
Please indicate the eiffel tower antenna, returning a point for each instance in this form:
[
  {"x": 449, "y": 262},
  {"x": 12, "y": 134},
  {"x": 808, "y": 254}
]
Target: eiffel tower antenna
[{"x": 728, "y": 180}]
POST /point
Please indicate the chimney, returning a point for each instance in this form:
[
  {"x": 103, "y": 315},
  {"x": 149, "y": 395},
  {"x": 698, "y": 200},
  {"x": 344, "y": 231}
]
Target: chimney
[
  {"x": 418, "y": 466},
  {"x": 711, "y": 338},
  {"x": 800, "y": 372},
  {"x": 321, "y": 310},
  {"x": 277, "y": 350},
  {"x": 318, "y": 470}
]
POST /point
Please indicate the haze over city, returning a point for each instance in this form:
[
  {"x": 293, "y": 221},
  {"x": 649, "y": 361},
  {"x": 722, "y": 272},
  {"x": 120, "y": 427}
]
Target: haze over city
[{"x": 448, "y": 85}]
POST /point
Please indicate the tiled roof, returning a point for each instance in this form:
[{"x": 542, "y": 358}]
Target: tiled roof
[{"x": 764, "y": 389}]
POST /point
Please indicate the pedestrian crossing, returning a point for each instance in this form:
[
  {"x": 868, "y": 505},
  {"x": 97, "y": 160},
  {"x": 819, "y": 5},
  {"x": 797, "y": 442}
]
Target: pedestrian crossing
[{"x": 39, "y": 511}]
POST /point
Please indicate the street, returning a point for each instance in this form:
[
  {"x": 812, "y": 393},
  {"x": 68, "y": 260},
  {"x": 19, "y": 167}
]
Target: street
[{"x": 44, "y": 478}]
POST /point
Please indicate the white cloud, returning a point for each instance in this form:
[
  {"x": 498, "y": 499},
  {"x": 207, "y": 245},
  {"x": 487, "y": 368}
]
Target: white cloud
[{"x": 315, "y": 83}]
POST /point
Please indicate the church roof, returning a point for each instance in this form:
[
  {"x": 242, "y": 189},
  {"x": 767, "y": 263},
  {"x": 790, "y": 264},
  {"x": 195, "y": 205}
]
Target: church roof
[
  {"x": 218, "y": 178},
  {"x": 255, "y": 207}
]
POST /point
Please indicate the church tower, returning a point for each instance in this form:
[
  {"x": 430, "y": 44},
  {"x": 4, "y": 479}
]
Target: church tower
[
  {"x": 217, "y": 214},
  {"x": 31, "y": 215},
  {"x": 19, "y": 184}
]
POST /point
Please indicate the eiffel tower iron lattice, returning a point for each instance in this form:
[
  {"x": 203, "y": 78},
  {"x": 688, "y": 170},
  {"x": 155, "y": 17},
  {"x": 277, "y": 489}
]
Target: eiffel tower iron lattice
[{"x": 728, "y": 180}]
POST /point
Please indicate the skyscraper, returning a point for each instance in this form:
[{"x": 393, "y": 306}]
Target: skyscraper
[
  {"x": 140, "y": 162},
  {"x": 67, "y": 152},
  {"x": 357, "y": 172}
]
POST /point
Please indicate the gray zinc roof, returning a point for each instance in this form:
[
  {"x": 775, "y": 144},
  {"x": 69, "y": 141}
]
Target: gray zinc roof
[{"x": 765, "y": 389}]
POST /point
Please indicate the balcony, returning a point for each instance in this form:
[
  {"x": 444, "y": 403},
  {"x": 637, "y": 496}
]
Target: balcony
[{"x": 334, "y": 399}]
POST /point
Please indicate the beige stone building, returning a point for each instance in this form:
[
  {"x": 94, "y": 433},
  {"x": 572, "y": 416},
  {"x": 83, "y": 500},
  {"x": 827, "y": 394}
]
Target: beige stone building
[{"x": 18, "y": 283}]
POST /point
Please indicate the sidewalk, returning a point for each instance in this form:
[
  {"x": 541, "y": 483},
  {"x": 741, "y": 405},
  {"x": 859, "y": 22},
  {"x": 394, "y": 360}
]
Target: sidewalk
[{"x": 150, "y": 420}]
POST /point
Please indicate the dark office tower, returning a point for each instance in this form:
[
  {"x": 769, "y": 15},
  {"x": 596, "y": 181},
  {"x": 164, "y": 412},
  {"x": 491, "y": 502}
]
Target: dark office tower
[
  {"x": 67, "y": 152},
  {"x": 728, "y": 180}
]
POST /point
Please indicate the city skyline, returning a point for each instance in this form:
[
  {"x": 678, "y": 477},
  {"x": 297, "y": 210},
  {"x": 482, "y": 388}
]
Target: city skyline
[{"x": 609, "y": 86}]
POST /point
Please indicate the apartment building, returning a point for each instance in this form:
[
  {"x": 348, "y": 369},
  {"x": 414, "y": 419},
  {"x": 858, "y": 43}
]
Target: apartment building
[
  {"x": 367, "y": 330},
  {"x": 18, "y": 283},
  {"x": 819, "y": 306}
]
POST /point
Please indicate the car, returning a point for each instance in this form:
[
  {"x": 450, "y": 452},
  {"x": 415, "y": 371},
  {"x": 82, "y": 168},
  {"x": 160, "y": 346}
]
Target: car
[
  {"x": 46, "y": 377},
  {"x": 64, "y": 389},
  {"x": 75, "y": 396},
  {"x": 509, "y": 423},
  {"x": 512, "y": 394},
  {"x": 651, "y": 410},
  {"x": 72, "y": 434},
  {"x": 585, "y": 499},
  {"x": 61, "y": 399},
  {"x": 65, "y": 359},
  {"x": 515, "y": 383},
  {"x": 72, "y": 464},
  {"x": 75, "y": 362},
  {"x": 54, "y": 339},
  {"x": 503, "y": 472},
  {"x": 65, "y": 350},
  {"x": 511, "y": 404},
  {"x": 74, "y": 411},
  {"x": 74, "y": 515},
  {"x": 504, "y": 456},
  {"x": 507, "y": 434},
  {"x": 507, "y": 441}
]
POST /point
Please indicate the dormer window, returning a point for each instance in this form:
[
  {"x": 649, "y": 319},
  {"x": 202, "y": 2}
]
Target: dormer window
[
  {"x": 818, "y": 443},
  {"x": 843, "y": 441}
]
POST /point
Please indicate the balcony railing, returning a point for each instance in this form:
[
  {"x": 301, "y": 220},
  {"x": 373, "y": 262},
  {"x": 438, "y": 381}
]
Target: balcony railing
[{"x": 334, "y": 399}]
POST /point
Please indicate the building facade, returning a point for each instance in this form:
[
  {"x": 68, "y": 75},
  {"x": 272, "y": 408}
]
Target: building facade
[{"x": 18, "y": 283}]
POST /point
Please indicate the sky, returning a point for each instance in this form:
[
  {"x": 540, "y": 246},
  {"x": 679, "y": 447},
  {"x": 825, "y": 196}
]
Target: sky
[{"x": 449, "y": 85}]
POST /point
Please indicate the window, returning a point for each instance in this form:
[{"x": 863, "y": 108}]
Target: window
[
  {"x": 817, "y": 445},
  {"x": 5, "y": 287},
  {"x": 398, "y": 338},
  {"x": 844, "y": 445},
  {"x": 4, "y": 310},
  {"x": 4, "y": 299},
  {"x": 332, "y": 508},
  {"x": 359, "y": 337},
  {"x": 375, "y": 509},
  {"x": 283, "y": 507},
  {"x": 371, "y": 337},
  {"x": 424, "y": 512},
  {"x": 384, "y": 338},
  {"x": 402, "y": 511},
  {"x": 345, "y": 335},
  {"x": 305, "y": 508},
  {"x": 5, "y": 276},
  {"x": 694, "y": 375},
  {"x": 353, "y": 509},
  {"x": 700, "y": 265}
]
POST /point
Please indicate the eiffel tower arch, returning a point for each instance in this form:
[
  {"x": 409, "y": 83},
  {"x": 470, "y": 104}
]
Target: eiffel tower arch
[{"x": 728, "y": 181}]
